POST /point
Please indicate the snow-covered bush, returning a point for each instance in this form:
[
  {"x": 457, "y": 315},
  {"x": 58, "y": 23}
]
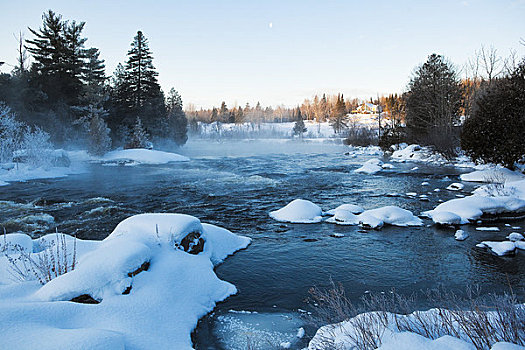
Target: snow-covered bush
[
  {"x": 10, "y": 135},
  {"x": 54, "y": 259},
  {"x": 36, "y": 147},
  {"x": 99, "y": 140},
  {"x": 138, "y": 137},
  {"x": 479, "y": 321}
]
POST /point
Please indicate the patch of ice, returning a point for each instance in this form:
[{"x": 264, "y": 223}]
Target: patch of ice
[{"x": 487, "y": 229}]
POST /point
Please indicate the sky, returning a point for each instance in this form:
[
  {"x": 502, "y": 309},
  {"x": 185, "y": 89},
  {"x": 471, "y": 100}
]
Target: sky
[{"x": 280, "y": 52}]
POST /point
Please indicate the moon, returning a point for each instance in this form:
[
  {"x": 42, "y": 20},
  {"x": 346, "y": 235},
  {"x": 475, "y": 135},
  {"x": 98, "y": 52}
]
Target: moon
[{"x": 270, "y": 25}]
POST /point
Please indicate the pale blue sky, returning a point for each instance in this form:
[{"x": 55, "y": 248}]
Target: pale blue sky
[{"x": 225, "y": 50}]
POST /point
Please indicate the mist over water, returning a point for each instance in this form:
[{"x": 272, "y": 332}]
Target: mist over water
[{"x": 235, "y": 185}]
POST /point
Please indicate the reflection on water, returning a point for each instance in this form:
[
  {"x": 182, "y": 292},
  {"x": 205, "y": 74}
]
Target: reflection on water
[{"x": 236, "y": 184}]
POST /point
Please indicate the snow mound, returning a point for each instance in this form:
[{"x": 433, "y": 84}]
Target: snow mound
[
  {"x": 502, "y": 248},
  {"x": 455, "y": 187},
  {"x": 472, "y": 208},
  {"x": 494, "y": 175},
  {"x": 376, "y": 218},
  {"x": 514, "y": 237},
  {"x": 298, "y": 211},
  {"x": 446, "y": 218},
  {"x": 416, "y": 153},
  {"x": 143, "y": 156},
  {"x": 354, "y": 209},
  {"x": 141, "y": 275},
  {"x": 370, "y": 167},
  {"x": 460, "y": 235}
]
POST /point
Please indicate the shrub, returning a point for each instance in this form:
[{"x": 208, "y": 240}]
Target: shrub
[
  {"x": 54, "y": 260},
  {"x": 36, "y": 147},
  {"x": 361, "y": 137},
  {"x": 10, "y": 134},
  {"x": 482, "y": 321}
]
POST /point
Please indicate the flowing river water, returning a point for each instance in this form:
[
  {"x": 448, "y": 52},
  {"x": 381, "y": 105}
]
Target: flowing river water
[{"x": 236, "y": 184}]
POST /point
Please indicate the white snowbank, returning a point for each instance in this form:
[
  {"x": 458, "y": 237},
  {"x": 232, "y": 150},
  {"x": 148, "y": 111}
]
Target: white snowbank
[
  {"x": 339, "y": 336},
  {"x": 298, "y": 211},
  {"x": 376, "y": 218},
  {"x": 371, "y": 166},
  {"x": 515, "y": 236},
  {"x": 472, "y": 208},
  {"x": 164, "y": 300},
  {"x": 143, "y": 156},
  {"x": 498, "y": 175}
]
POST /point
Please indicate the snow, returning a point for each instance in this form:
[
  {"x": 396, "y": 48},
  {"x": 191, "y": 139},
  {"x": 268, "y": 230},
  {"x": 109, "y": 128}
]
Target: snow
[
  {"x": 298, "y": 211},
  {"x": 370, "y": 167},
  {"x": 446, "y": 218},
  {"x": 514, "y": 237},
  {"x": 455, "y": 187},
  {"x": 376, "y": 218},
  {"x": 487, "y": 229},
  {"x": 340, "y": 335},
  {"x": 461, "y": 235},
  {"x": 161, "y": 309},
  {"x": 353, "y": 208},
  {"x": 500, "y": 248},
  {"x": 471, "y": 208},
  {"x": 416, "y": 153},
  {"x": 497, "y": 174},
  {"x": 143, "y": 156}
]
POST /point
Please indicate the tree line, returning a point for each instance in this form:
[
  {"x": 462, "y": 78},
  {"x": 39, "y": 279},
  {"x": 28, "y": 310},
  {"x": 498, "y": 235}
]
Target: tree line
[{"x": 66, "y": 92}]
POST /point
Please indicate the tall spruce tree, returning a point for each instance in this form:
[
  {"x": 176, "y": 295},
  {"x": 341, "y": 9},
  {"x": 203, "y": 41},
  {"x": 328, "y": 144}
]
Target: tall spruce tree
[
  {"x": 177, "y": 121},
  {"x": 299, "y": 128}
]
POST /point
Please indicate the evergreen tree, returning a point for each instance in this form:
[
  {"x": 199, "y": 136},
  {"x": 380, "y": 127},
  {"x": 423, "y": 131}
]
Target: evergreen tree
[
  {"x": 239, "y": 116},
  {"x": 433, "y": 102},
  {"x": 299, "y": 128},
  {"x": 58, "y": 52},
  {"x": 94, "y": 78},
  {"x": 224, "y": 114},
  {"x": 177, "y": 121},
  {"x": 138, "y": 137},
  {"x": 99, "y": 140},
  {"x": 142, "y": 91}
]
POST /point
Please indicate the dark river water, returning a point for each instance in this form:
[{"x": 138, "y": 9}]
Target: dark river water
[{"x": 235, "y": 185}]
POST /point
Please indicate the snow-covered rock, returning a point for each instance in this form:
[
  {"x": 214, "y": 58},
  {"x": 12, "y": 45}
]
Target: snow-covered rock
[
  {"x": 416, "y": 153},
  {"x": 376, "y": 218},
  {"x": 354, "y": 209},
  {"x": 446, "y": 218},
  {"x": 471, "y": 208},
  {"x": 144, "y": 306},
  {"x": 500, "y": 248},
  {"x": 461, "y": 235},
  {"x": 298, "y": 211},
  {"x": 370, "y": 167},
  {"x": 143, "y": 156},
  {"x": 515, "y": 236},
  {"x": 455, "y": 186}
]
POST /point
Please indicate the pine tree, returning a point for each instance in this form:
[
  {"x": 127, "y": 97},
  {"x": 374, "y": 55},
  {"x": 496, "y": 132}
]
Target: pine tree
[
  {"x": 433, "y": 100},
  {"x": 239, "y": 116},
  {"x": 143, "y": 94},
  {"x": 94, "y": 78},
  {"x": 138, "y": 137},
  {"x": 177, "y": 121},
  {"x": 58, "y": 51},
  {"x": 338, "y": 118},
  {"x": 99, "y": 140},
  {"x": 299, "y": 128}
]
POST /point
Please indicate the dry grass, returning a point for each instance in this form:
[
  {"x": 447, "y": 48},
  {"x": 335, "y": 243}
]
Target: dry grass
[
  {"x": 479, "y": 320},
  {"x": 54, "y": 260}
]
